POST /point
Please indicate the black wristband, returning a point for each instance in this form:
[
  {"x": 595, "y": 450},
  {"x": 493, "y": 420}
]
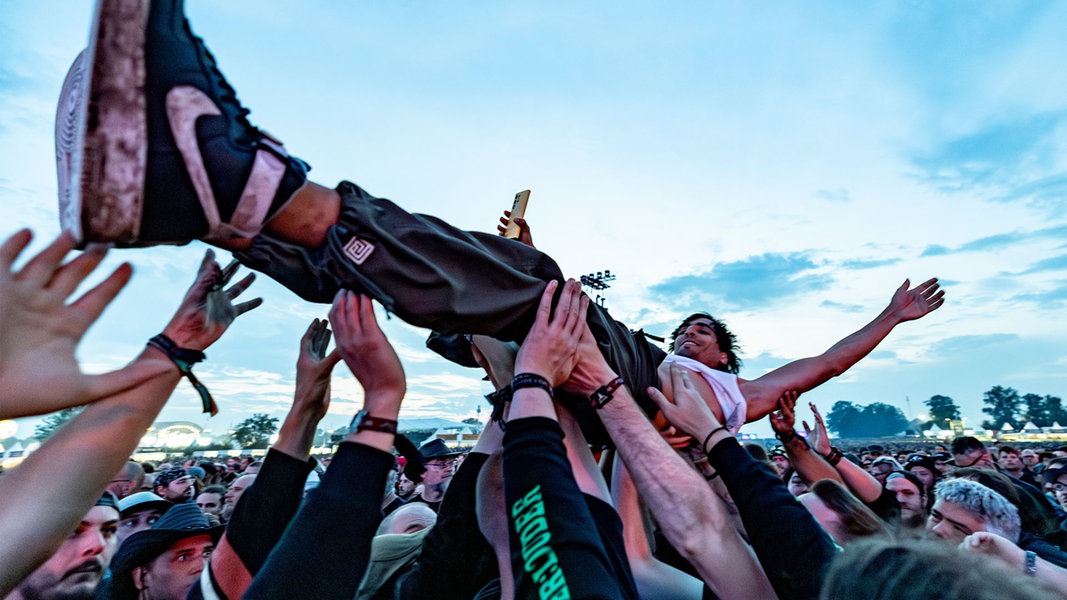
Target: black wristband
[
  {"x": 834, "y": 456},
  {"x": 185, "y": 358},
  {"x": 786, "y": 440},
  {"x": 605, "y": 393},
  {"x": 530, "y": 380},
  {"x": 707, "y": 438}
]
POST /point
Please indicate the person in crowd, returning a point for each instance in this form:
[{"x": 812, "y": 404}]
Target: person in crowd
[
  {"x": 81, "y": 459},
  {"x": 964, "y": 507},
  {"x": 925, "y": 468},
  {"x": 876, "y": 568},
  {"x": 405, "y": 488},
  {"x": 138, "y": 512},
  {"x": 882, "y": 466},
  {"x": 841, "y": 514},
  {"x": 164, "y": 561},
  {"x": 128, "y": 480},
  {"x": 968, "y": 451},
  {"x": 438, "y": 460},
  {"x": 1010, "y": 462},
  {"x": 74, "y": 570},
  {"x": 174, "y": 485},
  {"x": 210, "y": 499},
  {"x": 234, "y": 493},
  {"x": 390, "y": 501},
  {"x": 911, "y": 496}
]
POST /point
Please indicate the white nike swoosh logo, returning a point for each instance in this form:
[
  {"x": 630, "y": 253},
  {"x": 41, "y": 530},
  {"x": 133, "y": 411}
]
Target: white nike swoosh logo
[{"x": 185, "y": 105}]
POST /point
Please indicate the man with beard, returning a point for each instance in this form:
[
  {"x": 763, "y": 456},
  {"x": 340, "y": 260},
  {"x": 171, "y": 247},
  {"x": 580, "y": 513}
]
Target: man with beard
[
  {"x": 438, "y": 460},
  {"x": 911, "y": 496},
  {"x": 174, "y": 485},
  {"x": 74, "y": 571}
]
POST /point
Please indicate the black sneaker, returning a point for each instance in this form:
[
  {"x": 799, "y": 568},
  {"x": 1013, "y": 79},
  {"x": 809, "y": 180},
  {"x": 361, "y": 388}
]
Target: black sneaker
[{"x": 152, "y": 146}]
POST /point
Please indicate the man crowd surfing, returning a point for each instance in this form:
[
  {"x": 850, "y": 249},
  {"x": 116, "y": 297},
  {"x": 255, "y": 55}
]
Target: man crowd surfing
[{"x": 608, "y": 468}]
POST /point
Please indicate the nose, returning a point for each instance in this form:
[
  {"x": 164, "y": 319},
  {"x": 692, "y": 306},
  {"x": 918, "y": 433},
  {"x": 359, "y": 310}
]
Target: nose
[
  {"x": 939, "y": 529},
  {"x": 94, "y": 544}
]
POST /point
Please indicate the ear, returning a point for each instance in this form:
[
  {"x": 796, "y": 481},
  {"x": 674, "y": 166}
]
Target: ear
[
  {"x": 724, "y": 359},
  {"x": 139, "y": 576}
]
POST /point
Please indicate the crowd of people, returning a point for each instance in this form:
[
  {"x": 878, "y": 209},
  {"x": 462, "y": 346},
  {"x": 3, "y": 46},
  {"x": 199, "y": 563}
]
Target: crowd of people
[{"x": 608, "y": 468}]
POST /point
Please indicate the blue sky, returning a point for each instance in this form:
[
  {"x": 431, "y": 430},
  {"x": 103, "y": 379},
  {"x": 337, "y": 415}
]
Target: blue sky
[{"x": 783, "y": 166}]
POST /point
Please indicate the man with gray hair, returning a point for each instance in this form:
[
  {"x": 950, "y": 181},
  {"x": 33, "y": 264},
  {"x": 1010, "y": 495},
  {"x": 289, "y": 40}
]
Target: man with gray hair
[{"x": 964, "y": 507}]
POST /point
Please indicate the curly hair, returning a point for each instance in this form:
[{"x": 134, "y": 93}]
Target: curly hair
[{"x": 725, "y": 338}]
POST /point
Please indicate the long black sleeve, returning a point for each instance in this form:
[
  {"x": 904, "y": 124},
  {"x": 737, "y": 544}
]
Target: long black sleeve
[
  {"x": 556, "y": 550},
  {"x": 792, "y": 547},
  {"x": 324, "y": 551}
]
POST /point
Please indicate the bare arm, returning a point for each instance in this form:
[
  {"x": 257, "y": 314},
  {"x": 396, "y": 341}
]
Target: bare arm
[
  {"x": 79, "y": 460},
  {"x": 680, "y": 500},
  {"x": 1014, "y": 558},
  {"x": 808, "y": 373},
  {"x": 859, "y": 481}
]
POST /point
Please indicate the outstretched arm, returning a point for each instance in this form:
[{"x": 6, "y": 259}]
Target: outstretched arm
[
  {"x": 39, "y": 331},
  {"x": 808, "y": 373},
  {"x": 75, "y": 464}
]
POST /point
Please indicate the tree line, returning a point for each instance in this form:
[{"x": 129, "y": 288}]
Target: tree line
[{"x": 1002, "y": 404}]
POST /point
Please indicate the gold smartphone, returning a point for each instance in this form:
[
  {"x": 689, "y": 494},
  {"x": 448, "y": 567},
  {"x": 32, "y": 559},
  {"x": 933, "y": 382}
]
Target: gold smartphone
[{"x": 518, "y": 209}]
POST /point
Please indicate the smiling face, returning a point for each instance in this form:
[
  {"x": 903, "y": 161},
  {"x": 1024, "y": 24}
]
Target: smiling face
[
  {"x": 697, "y": 341},
  {"x": 76, "y": 568}
]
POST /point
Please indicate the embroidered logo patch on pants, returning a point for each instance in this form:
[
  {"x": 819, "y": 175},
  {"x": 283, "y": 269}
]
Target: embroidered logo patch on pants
[{"x": 358, "y": 250}]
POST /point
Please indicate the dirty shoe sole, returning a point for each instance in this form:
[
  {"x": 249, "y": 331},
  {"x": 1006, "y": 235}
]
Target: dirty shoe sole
[{"x": 101, "y": 129}]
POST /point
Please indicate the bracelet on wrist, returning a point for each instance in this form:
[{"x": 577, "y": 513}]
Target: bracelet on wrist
[
  {"x": 530, "y": 380},
  {"x": 834, "y": 456},
  {"x": 605, "y": 393},
  {"x": 185, "y": 358},
  {"x": 785, "y": 439},
  {"x": 707, "y": 438},
  {"x": 1031, "y": 563}
]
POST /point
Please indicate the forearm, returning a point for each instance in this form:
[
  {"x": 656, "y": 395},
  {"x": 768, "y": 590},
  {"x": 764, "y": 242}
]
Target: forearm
[
  {"x": 810, "y": 466},
  {"x": 297, "y": 433},
  {"x": 71, "y": 470},
  {"x": 862, "y": 484},
  {"x": 258, "y": 521},
  {"x": 548, "y": 517},
  {"x": 332, "y": 531},
  {"x": 687, "y": 511}
]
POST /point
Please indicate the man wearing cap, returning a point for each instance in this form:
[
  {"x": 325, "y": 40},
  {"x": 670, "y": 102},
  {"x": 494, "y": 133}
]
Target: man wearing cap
[
  {"x": 74, "y": 571},
  {"x": 438, "y": 460},
  {"x": 174, "y": 485},
  {"x": 138, "y": 512},
  {"x": 164, "y": 561}
]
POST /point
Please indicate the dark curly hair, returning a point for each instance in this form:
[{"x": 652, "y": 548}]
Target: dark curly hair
[{"x": 723, "y": 336}]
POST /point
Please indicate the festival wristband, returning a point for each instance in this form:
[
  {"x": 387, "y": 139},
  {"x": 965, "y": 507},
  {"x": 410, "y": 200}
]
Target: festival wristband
[
  {"x": 530, "y": 380},
  {"x": 185, "y": 358}
]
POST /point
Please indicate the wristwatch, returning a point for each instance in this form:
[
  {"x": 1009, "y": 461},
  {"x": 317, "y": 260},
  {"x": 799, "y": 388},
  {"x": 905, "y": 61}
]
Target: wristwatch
[{"x": 363, "y": 420}]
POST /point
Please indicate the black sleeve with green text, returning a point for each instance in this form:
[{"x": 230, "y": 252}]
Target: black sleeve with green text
[{"x": 556, "y": 551}]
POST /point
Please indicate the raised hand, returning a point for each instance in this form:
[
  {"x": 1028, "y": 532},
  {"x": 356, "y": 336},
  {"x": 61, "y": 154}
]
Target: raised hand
[
  {"x": 313, "y": 369},
  {"x": 784, "y": 420},
  {"x": 817, "y": 436},
  {"x": 910, "y": 304},
  {"x": 39, "y": 331},
  {"x": 368, "y": 353},
  {"x": 207, "y": 309},
  {"x": 551, "y": 348},
  {"x": 524, "y": 228}
]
